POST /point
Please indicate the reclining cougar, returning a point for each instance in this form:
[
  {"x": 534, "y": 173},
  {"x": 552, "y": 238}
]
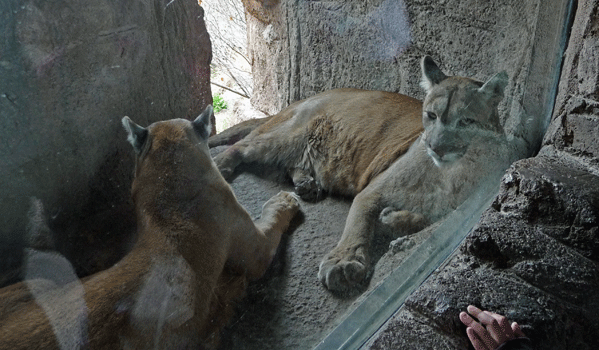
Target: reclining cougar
[{"x": 357, "y": 143}]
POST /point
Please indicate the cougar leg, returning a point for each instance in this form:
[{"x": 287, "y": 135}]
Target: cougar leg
[
  {"x": 254, "y": 251},
  {"x": 227, "y": 161},
  {"x": 274, "y": 147},
  {"x": 244, "y": 151},
  {"x": 348, "y": 264}
]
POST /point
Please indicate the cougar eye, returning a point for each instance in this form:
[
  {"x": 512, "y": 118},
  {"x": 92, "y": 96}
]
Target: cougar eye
[{"x": 431, "y": 115}]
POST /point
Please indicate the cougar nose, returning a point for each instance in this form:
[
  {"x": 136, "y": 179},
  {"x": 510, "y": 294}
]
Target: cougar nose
[
  {"x": 435, "y": 148},
  {"x": 439, "y": 152}
]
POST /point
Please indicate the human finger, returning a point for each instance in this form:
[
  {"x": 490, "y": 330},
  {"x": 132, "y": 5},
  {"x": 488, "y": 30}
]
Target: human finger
[
  {"x": 484, "y": 317},
  {"x": 473, "y": 310},
  {"x": 501, "y": 328},
  {"x": 475, "y": 340},
  {"x": 465, "y": 318},
  {"x": 478, "y": 331},
  {"x": 517, "y": 331},
  {"x": 496, "y": 329}
]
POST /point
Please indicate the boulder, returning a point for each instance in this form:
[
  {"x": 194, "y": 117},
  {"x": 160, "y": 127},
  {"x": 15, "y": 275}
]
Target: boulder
[{"x": 70, "y": 72}]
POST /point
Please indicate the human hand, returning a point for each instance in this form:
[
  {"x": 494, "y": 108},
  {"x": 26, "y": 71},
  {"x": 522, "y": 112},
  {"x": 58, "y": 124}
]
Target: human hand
[{"x": 498, "y": 330}]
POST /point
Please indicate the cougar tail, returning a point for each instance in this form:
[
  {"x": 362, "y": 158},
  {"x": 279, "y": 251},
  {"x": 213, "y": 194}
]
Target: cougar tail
[{"x": 236, "y": 132}]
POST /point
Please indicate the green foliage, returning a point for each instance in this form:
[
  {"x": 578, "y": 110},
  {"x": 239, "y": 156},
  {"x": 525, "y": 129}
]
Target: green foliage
[{"x": 219, "y": 103}]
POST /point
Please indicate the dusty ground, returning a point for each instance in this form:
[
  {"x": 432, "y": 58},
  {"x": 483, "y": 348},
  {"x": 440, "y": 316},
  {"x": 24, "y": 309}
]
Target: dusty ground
[{"x": 289, "y": 308}]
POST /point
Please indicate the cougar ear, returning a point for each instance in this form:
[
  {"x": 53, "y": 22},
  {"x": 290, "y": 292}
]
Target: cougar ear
[
  {"x": 136, "y": 135},
  {"x": 202, "y": 124},
  {"x": 494, "y": 87},
  {"x": 431, "y": 74}
]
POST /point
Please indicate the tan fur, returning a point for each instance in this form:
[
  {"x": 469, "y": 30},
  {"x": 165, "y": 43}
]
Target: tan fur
[
  {"x": 197, "y": 247},
  {"x": 336, "y": 141},
  {"x": 232, "y": 135},
  {"x": 353, "y": 142},
  {"x": 463, "y": 143}
]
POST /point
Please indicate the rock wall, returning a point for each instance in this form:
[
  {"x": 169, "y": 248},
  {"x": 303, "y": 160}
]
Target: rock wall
[
  {"x": 300, "y": 48},
  {"x": 534, "y": 255},
  {"x": 70, "y": 71}
]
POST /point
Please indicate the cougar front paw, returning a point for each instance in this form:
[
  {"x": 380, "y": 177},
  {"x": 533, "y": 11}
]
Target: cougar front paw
[
  {"x": 403, "y": 221},
  {"x": 284, "y": 201},
  {"x": 308, "y": 190},
  {"x": 343, "y": 270},
  {"x": 391, "y": 217}
]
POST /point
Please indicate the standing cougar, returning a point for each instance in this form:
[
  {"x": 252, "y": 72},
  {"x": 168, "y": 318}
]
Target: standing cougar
[{"x": 357, "y": 143}]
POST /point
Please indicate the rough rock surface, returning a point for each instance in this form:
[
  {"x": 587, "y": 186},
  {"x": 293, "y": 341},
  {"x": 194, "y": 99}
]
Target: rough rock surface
[
  {"x": 532, "y": 257},
  {"x": 70, "y": 71}
]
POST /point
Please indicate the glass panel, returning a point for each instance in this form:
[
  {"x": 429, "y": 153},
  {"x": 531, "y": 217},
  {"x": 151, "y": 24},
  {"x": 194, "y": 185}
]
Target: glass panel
[
  {"x": 398, "y": 32},
  {"x": 70, "y": 71},
  {"x": 534, "y": 108}
]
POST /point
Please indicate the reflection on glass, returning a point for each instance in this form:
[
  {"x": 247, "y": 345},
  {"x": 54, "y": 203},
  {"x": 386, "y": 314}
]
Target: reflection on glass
[{"x": 373, "y": 168}]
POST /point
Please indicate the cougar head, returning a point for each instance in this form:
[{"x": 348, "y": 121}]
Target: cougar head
[
  {"x": 457, "y": 110},
  {"x": 179, "y": 132}
]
